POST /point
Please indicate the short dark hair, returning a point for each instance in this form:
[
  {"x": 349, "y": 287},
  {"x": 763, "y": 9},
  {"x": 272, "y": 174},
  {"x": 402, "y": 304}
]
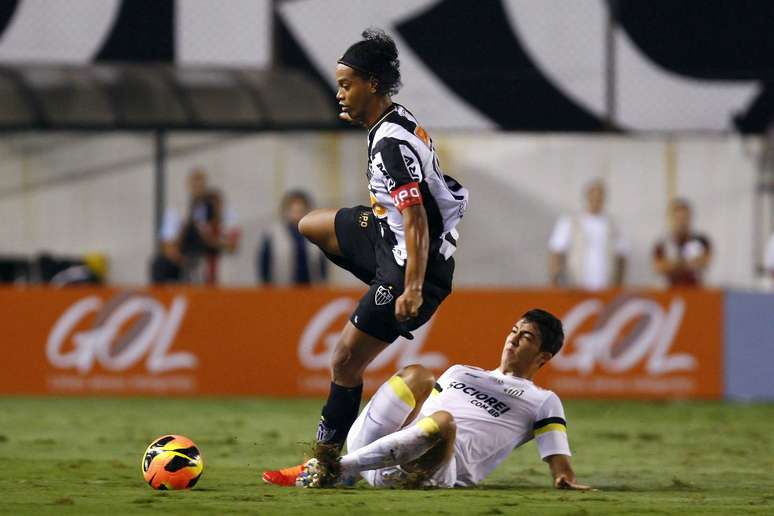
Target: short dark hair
[
  {"x": 375, "y": 56},
  {"x": 295, "y": 195},
  {"x": 680, "y": 203},
  {"x": 550, "y": 328}
]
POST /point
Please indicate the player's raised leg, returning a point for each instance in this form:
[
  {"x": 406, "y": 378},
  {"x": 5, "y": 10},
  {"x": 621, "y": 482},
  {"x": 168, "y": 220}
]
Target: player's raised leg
[{"x": 319, "y": 227}]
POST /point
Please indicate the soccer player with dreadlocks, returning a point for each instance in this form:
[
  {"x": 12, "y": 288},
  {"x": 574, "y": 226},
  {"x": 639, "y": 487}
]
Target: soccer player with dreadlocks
[{"x": 401, "y": 246}]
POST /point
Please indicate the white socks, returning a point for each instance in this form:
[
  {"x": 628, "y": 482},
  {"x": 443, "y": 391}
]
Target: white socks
[
  {"x": 387, "y": 411},
  {"x": 393, "y": 449}
]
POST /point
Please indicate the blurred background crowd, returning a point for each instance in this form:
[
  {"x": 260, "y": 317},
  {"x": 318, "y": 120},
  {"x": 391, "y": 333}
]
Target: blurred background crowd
[{"x": 633, "y": 150}]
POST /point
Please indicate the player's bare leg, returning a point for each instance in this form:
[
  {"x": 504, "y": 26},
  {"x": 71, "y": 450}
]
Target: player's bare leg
[
  {"x": 352, "y": 354},
  {"x": 319, "y": 227}
]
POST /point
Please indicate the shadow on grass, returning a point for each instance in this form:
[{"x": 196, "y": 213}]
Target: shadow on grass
[{"x": 676, "y": 486}]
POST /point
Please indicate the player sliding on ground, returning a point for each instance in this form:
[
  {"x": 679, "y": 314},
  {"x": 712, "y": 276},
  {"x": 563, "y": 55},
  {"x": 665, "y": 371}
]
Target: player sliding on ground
[
  {"x": 417, "y": 432},
  {"x": 401, "y": 246}
]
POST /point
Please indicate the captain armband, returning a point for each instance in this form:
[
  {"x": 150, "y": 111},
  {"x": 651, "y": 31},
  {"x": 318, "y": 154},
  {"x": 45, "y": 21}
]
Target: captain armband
[{"x": 406, "y": 195}]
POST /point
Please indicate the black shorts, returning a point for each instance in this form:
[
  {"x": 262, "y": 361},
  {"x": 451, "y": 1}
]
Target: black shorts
[{"x": 370, "y": 259}]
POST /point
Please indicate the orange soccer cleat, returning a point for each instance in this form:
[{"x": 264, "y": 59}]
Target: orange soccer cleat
[{"x": 285, "y": 477}]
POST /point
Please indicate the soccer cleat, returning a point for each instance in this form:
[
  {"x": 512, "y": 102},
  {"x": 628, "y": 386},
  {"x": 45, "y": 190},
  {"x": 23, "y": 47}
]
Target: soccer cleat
[
  {"x": 310, "y": 474},
  {"x": 320, "y": 472},
  {"x": 285, "y": 477}
]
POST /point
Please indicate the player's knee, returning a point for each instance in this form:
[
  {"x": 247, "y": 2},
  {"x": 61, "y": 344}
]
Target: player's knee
[
  {"x": 345, "y": 369},
  {"x": 319, "y": 227},
  {"x": 419, "y": 379},
  {"x": 307, "y": 225},
  {"x": 446, "y": 424}
]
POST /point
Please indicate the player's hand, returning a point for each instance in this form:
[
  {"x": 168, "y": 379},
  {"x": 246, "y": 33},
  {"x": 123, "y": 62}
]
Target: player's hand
[
  {"x": 562, "y": 482},
  {"x": 407, "y": 305}
]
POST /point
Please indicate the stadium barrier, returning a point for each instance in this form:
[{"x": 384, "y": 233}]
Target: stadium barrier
[
  {"x": 277, "y": 342},
  {"x": 749, "y": 346}
]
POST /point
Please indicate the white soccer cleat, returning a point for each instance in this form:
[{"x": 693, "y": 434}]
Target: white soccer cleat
[{"x": 310, "y": 474}]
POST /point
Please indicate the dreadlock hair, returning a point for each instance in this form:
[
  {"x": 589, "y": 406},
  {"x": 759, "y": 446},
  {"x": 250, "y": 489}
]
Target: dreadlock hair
[{"x": 375, "y": 57}]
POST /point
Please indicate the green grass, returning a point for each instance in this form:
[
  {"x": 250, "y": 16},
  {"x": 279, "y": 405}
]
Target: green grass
[{"x": 82, "y": 456}]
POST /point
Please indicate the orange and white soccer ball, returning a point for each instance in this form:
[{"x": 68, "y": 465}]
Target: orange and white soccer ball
[{"x": 172, "y": 462}]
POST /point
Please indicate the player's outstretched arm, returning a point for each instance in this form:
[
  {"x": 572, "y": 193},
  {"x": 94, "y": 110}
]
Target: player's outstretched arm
[
  {"x": 564, "y": 476},
  {"x": 417, "y": 249}
]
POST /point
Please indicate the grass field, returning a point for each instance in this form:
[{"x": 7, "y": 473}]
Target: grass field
[{"x": 75, "y": 456}]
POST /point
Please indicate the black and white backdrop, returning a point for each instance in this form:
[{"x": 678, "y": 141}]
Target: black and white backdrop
[{"x": 532, "y": 65}]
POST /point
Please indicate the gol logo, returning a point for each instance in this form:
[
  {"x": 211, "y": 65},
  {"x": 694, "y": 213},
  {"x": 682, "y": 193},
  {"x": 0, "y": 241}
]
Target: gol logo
[
  {"x": 150, "y": 331},
  {"x": 649, "y": 339},
  {"x": 401, "y": 353}
]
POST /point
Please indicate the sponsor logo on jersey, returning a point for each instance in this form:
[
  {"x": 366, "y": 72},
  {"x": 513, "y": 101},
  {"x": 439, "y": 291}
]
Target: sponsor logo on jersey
[
  {"x": 383, "y": 296},
  {"x": 379, "y": 211},
  {"x": 484, "y": 400}
]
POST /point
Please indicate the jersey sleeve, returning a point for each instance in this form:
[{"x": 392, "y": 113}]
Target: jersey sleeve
[
  {"x": 399, "y": 163},
  {"x": 550, "y": 428},
  {"x": 443, "y": 381}
]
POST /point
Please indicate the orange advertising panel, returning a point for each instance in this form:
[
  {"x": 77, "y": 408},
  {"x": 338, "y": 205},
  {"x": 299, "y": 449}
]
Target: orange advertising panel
[{"x": 198, "y": 341}]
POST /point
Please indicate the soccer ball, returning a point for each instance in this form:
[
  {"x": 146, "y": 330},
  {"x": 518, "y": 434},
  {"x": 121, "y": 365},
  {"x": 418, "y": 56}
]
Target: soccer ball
[{"x": 172, "y": 462}]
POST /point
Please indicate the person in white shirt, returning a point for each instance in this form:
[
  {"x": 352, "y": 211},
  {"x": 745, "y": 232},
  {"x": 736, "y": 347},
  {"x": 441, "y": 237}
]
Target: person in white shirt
[
  {"x": 588, "y": 250},
  {"x": 453, "y": 433}
]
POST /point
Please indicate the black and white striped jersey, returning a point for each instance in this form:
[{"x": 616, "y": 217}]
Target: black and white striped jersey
[{"x": 403, "y": 170}]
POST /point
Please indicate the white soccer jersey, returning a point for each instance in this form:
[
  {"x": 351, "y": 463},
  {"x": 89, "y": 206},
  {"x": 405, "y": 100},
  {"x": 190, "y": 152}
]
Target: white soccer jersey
[
  {"x": 496, "y": 413},
  {"x": 403, "y": 170}
]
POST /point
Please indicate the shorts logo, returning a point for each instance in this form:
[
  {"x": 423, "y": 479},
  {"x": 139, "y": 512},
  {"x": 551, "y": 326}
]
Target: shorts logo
[{"x": 383, "y": 296}]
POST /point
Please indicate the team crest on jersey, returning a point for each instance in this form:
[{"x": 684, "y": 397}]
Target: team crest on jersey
[
  {"x": 514, "y": 392},
  {"x": 383, "y": 296}
]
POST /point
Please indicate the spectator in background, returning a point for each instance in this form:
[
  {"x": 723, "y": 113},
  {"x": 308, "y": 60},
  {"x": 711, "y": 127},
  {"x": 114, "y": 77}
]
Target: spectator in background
[
  {"x": 587, "y": 249},
  {"x": 285, "y": 257},
  {"x": 191, "y": 247},
  {"x": 682, "y": 256}
]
